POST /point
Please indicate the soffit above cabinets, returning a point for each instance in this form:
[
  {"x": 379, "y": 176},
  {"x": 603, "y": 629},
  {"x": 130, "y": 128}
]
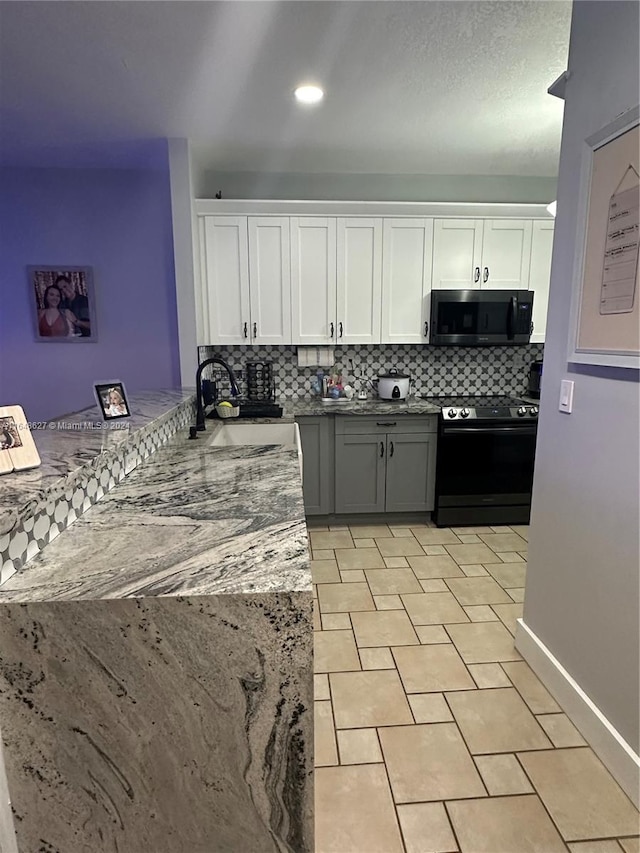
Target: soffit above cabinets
[{"x": 398, "y": 209}]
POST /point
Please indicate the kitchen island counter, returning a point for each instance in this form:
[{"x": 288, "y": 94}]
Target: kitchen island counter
[
  {"x": 69, "y": 443},
  {"x": 156, "y": 681},
  {"x": 82, "y": 458},
  {"x": 191, "y": 520}
]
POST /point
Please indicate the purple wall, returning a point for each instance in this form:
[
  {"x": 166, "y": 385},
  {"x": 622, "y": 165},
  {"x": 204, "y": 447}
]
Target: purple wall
[{"x": 119, "y": 223}]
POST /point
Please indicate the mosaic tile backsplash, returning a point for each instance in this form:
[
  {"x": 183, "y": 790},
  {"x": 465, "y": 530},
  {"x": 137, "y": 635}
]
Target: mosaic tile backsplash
[{"x": 433, "y": 370}]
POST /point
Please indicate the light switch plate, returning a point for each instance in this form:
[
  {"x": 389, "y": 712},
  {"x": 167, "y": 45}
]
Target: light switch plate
[{"x": 566, "y": 396}]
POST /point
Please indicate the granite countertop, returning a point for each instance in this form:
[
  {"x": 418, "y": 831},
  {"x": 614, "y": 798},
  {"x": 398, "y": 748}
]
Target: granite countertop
[
  {"x": 65, "y": 450},
  {"x": 371, "y": 406},
  {"x": 191, "y": 520}
]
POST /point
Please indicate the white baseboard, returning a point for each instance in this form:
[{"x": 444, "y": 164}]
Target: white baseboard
[{"x": 610, "y": 747}]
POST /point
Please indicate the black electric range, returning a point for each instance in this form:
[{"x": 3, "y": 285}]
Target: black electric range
[{"x": 485, "y": 458}]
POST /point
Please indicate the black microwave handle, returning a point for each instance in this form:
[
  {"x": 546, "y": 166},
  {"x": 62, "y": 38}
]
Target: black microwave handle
[{"x": 511, "y": 316}]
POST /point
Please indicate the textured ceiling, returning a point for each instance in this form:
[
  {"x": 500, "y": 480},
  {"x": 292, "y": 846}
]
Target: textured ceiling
[{"x": 411, "y": 87}]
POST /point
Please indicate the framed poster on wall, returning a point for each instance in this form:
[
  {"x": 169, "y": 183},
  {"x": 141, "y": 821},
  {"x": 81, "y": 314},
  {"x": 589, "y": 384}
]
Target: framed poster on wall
[{"x": 606, "y": 295}]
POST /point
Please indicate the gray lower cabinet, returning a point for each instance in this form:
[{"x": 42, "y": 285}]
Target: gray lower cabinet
[
  {"x": 316, "y": 436},
  {"x": 360, "y": 473},
  {"x": 385, "y": 466},
  {"x": 410, "y": 482}
]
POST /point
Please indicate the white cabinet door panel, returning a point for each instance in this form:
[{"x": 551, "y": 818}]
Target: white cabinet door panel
[
  {"x": 457, "y": 253},
  {"x": 313, "y": 280},
  {"x": 270, "y": 280},
  {"x": 506, "y": 254},
  {"x": 359, "y": 280},
  {"x": 540, "y": 275},
  {"x": 227, "y": 280},
  {"x": 406, "y": 279}
]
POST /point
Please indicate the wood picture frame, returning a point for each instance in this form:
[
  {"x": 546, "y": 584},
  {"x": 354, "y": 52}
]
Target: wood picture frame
[
  {"x": 63, "y": 303},
  {"x": 18, "y": 451},
  {"x": 605, "y": 309}
]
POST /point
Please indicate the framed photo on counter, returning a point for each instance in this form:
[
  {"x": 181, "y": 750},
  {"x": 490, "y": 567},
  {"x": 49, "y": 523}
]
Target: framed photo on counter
[
  {"x": 606, "y": 298},
  {"x": 63, "y": 304},
  {"x": 112, "y": 400},
  {"x": 17, "y": 447}
]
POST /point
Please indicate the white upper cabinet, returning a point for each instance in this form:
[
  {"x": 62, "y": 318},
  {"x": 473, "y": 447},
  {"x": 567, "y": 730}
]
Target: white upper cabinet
[
  {"x": 406, "y": 280},
  {"x": 246, "y": 282},
  {"x": 359, "y": 280},
  {"x": 477, "y": 253},
  {"x": 313, "y": 280},
  {"x": 270, "y": 280},
  {"x": 506, "y": 254},
  {"x": 224, "y": 303},
  {"x": 321, "y": 280},
  {"x": 457, "y": 253},
  {"x": 540, "y": 275}
]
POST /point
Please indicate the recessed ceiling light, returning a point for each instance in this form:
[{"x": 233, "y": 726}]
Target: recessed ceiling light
[{"x": 309, "y": 94}]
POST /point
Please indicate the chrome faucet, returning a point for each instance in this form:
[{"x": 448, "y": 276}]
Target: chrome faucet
[{"x": 199, "y": 404}]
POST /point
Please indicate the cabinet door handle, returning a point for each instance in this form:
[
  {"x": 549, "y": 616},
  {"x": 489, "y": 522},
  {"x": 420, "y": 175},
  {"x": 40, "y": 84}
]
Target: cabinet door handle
[
  {"x": 381, "y": 449},
  {"x": 245, "y": 330},
  {"x": 385, "y": 423},
  {"x": 426, "y": 329},
  {"x": 485, "y": 277},
  {"x": 332, "y": 329},
  {"x": 255, "y": 330},
  {"x": 476, "y": 275},
  {"x": 340, "y": 327},
  {"x": 391, "y": 450},
  {"x": 531, "y": 329}
]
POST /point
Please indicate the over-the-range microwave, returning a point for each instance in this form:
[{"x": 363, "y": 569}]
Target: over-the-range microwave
[{"x": 481, "y": 317}]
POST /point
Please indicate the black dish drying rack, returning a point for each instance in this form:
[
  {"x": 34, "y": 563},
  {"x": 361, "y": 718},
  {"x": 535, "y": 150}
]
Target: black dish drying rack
[
  {"x": 253, "y": 409},
  {"x": 261, "y": 391}
]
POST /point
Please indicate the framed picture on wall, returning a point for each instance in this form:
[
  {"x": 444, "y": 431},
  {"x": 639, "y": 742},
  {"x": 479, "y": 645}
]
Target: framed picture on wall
[
  {"x": 606, "y": 294},
  {"x": 63, "y": 303}
]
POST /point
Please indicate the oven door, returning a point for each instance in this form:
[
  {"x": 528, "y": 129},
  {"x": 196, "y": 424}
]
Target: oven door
[{"x": 485, "y": 464}]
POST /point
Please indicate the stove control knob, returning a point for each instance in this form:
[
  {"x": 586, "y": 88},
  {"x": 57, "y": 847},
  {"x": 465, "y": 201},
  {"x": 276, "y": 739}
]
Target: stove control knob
[
  {"x": 452, "y": 413},
  {"x": 533, "y": 411},
  {"x": 465, "y": 413},
  {"x": 522, "y": 411}
]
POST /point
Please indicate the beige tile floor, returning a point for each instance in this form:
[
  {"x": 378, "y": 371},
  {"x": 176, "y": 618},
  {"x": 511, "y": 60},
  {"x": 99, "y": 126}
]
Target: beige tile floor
[{"x": 432, "y": 735}]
